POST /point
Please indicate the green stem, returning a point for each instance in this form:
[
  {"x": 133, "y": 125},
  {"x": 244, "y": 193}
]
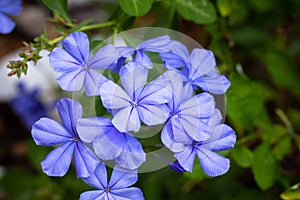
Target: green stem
[
  {"x": 56, "y": 40},
  {"x": 96, "y": 26}
]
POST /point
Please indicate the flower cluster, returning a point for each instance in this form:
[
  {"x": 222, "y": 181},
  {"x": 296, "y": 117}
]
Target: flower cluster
[{"x": 179, "y": 99}]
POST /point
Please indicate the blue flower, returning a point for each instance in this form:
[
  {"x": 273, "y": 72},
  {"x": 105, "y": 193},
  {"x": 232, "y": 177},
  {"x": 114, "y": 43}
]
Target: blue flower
[
  {"x": 222, "y": 138},
  {"x": 190, "y": 115},
  {"x": 157, "y": 44},
  {"x": 136, "y": 102},
  {"x": 77, "y": 67},
  {"x": 48, "y": 132},
  {"x": 28, "y": 106},
  {"x": 8, "y": 7},
  {"x": 198, "y": 68},
  {"x": 116, "y": 188},
  {"x": 177, "y": 167},
  {"x": 109, "y": 143}
]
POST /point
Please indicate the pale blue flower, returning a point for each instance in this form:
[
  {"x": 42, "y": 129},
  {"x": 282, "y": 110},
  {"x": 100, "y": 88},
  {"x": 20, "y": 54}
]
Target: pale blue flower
[
  {"x": 47, "y": 132},
  {"x": 109, "y": 143},
  {"x": 73, "y": 59},
  {"x": 136, "y": 102},
  {"x": 198, "y": 68},
  {"x": 8, "y": 8},
  {"x": 116, "y": 189}
]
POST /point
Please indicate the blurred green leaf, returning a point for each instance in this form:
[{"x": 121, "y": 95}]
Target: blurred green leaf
[
  {"x": 293, "y": 193},
  {"x": 242, "y": 156},
  {"x": 59, "y": 8},
  {"x": 282, "y": 148},
  {"x": 198, "y": 173},
  {"x": 136, "y": 7},
  {"x": 198, "y": 11},
  {"x": 36, "y": 153},
  {"x": 264, "y": 166},
  {"x": 100, "y": 110},
  {"x": 245, "y": 106},
  {"x": 224, "y": 7}
]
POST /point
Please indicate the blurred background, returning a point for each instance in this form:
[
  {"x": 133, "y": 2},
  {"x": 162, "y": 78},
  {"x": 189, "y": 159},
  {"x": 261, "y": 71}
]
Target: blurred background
[{"x": 257, "y": 46}]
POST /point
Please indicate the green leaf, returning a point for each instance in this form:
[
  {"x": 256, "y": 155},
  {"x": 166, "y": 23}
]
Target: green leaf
[
  {"x": 224, "y": 7},
  {"x": 136, "y": 7},
  {"x": 242, "y": 156},
  {"x": 100, "y": 110},
  {"x": 264, "y": 166},
  {"x": 198, "y": 11},
  {"x": 59, "y": 8},
  {"x": 198, "y": 173},
  {"x": 292, "y": 193},
  {"x": 282, "y": 148}
]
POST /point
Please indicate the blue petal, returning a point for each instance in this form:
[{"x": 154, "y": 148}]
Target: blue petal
[
  {"x": 85, "y": 160},
  {"x": 122, "y": 178},
  {"x": 132, "y": 155},
  {"x": 143, "y": 59},
  {"x": 108, "y": 146},
  {"x": 113, "y": 96},
  {"x": 128, "y": 194},
  {"x": 180, "y": 134},
  {"x": 202, "y": 62},
  {"x": 58, "y": 160},
  {"x": 172, "y": 61},
  {"x": 186, "y": 158},
  {"x": 62, "y": 61},
  {"x": 77, "y": 45},
  {"x": 10, "y": 7},
  {"x": 180, "y": 49},
  {"x": 48, "y": 132},
  {"x": 125, "y": 51},
  {"x": 152, "y": 114},
  {"x": 92, "y": 81},
  {"x": 186, "y": 93},
  {"x": 7, "y": 25},
  {"x": 69, "y": 111},
  {"x": 217, "y": 84},
  {"x": 156, "y": 92},
  {"x": 222, "y": 138},
  {"x": 93, "y": 195},
  {"x": 103, "y": 58},
  {"x": 88, "y": 129},
  {"x": 157, "y": 44},
  {"x": 213, "y": 164},
  {"x": 127, "y": 119},
  {"x": 177, "y": 167},
  {"x": 71, "y": 81},
  {"x": 98, "y": 179},
  {"x": 167, "y": 138},
  {"x": 133, "y": 77}
]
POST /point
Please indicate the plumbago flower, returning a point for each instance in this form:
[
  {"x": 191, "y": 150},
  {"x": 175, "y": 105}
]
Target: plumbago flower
[
  {"x": 8, "y": 7},
  {"x": 198, "y": 69},
  {"x": 111, "y": 144},
  {"x": 116, "y": 188},
  {"x": 136, "y": 102},
  {"x": 157, "y": 44},
  {"x": 48, "y": 132},
  {"x": 78, "y": 68}
]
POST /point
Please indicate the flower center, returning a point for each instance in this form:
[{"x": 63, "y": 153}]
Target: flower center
[
  {"x": 75, "y": 139},
  {"x": 107, "y": 190},
  {"x": 134, "y": 104}
]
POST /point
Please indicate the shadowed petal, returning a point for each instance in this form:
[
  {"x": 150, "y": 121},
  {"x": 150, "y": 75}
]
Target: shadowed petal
[
  {"x": 127, "y": 119},
  {"x": 104, "y": 57},
  {"x": 122, "y": 178},
  {"x": 132, "y": 155},
  {"x": 69, "y": 111},
  {"x": 172, "y": 61},
  {"x": 152, "y": 114},
  {"x": 85, "y": 160},
  {"x": 71, "y": 81},
  {"x": 62, "y": 61},
  {"x": 11, "y": 7},
  {"x": 7, "y": 25},
  {"x": 133, "y": 77},
  {"x": 48, "y": 132},
  {"x": 143, "y": 59},
  {"x": 113, "y": 96},
  {"x": 180, "y": 49},
  {"x": 167, "y": 138},
  {"x": 128, "y": 194},
  {"x": 125, "y": 51},
  {"x": 157, "y": 44},
  {"x": 92, "y": 81},
  {"x": 217, "y": 84},
  {"x": 90, "y": 128},
  {"x": 93, "y": 195},
  {"x": 77, "y": 45},
  {"x": 186, "y": 158},
  {"x": 203, "y": 61},
  {"x": 180, "y": 135},
  {"x": 213, "y": 164},
  {"x": 58, "y": 160},
  {"x": 222, "y": 138}
]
